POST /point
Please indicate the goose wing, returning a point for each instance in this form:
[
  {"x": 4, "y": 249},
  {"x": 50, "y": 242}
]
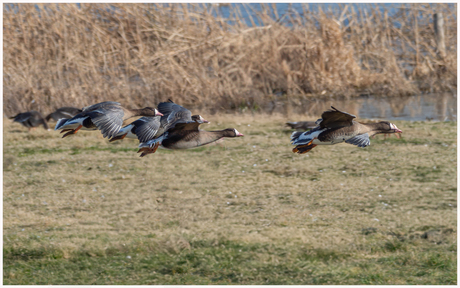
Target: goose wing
[
  {"x": 174, "y": 113},
  {"x": 193, "y": 125},
  {"x": 108, "y": 119},
  {"x": 100, "y": 105},
  {"x": 360, "y": 140},
  {"x": 146, "y": 128},
  {"x": 335, "y": 119}
]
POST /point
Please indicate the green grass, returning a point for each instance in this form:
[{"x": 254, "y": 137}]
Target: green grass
[
  {"x": 76, "y": 208},
  {"x": 228, "y": 262}
]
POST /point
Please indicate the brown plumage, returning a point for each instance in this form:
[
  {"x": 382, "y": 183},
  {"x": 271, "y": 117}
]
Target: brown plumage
[
  {"x": 336, "y": 127},
  {"x": 186, "y": 138}
]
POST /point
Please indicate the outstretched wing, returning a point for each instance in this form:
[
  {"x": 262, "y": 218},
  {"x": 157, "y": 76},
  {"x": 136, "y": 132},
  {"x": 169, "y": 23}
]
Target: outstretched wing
[
  {"x": 146, "y": 128},
  {"x": 335, "y": 119},
  {"x": 108, "y": 120},
  {"x": 175, "y": 117},
  {"x": 185, "y": 126},
  {"x": 174, "y": 112},
  {"x": 100, "y": 105},
  {"x": 360, "y": 140}
]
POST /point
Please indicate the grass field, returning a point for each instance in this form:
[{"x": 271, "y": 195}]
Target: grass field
[{"x": 81, "y": 210}]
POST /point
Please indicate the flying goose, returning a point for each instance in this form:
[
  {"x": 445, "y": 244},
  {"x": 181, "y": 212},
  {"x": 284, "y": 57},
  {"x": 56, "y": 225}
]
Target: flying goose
[
  {"x": 336, "y": 127},
  {"x": 30, "y": 119},
  {"x": 188, "y": 136},
  {"x": 108, "y": 117},
  {"x": 63, "y": 113}
]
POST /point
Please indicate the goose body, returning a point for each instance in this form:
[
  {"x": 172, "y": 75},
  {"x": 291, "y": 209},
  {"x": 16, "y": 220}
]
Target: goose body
[
  {"x": 186, "y": 139},
  {"x": 336, "y": 127},
  {"x": 63, "y": 113},
  {"x": 30, "y": 119},
  {"x": 108, "y": 117}
]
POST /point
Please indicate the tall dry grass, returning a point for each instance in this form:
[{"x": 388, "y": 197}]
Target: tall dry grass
[{"x": 140, "y": 54}]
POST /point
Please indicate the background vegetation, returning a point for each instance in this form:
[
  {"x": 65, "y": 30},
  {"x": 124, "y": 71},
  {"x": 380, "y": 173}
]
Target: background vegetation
[
  {"x": 246, "y": 211},
  {"x": 69, "y": 54}
]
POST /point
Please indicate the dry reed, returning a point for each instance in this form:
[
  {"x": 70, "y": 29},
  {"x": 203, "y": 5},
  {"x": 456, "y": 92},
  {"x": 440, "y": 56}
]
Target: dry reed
[{"x": 140, "y": 54}]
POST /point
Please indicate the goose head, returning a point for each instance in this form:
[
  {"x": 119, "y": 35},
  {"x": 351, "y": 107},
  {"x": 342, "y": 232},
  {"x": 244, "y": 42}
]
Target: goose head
[
  {"x": 199, "y": 119},
  {"x": 232, "y": 132},
  {"x": 387, "y": 127}
]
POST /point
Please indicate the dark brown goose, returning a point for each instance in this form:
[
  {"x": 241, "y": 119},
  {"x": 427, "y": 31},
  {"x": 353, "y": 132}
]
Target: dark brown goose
[
  {"x": 336, "y": 127},
  {"x": 108, "y": 117},
  {"x": 187, "y": 137},
  {"x": 302, "y": 125},
  {"x": 30, "y": 119},
  {"x": 63, "y": 113}
]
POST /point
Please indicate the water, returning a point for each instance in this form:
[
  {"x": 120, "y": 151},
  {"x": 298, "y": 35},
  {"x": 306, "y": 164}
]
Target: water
[
  {"x": 439, "y": 107},
  {"x": 433, "y": 107},
  {"x": 285, "y": 11}
]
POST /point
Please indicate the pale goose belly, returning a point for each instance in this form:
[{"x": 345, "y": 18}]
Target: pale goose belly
[{"x": 183, "y": 145}]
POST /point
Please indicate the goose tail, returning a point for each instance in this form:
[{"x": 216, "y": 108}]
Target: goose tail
[
  {"x": 60, "y": 124},
  {"x": 296, "y": 135}
]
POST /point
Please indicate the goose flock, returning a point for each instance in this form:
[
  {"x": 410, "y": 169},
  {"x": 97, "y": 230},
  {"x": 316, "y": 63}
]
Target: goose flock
[
  {"x": 172, "y": 126},
  {"x": 33, "y": 119}
]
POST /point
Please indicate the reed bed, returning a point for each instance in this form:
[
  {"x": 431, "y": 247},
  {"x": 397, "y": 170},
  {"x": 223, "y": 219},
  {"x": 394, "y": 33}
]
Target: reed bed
[{"x": 141, "y": 54}]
